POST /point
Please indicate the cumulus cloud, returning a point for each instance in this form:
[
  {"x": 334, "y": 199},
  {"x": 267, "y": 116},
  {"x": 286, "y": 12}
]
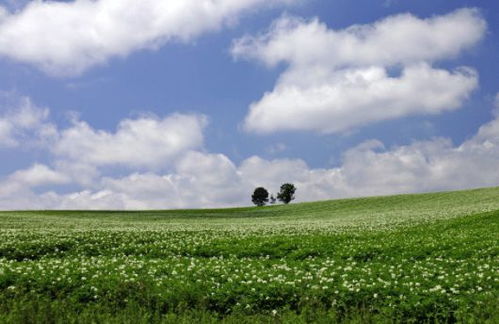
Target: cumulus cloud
[
  {"x": 146, "y": 141},
  {"x": 22, "y": 181},
  {"x": 399, "y": 39},
  {"x": 142, "y": 142},
  {"x": 201, "y": 179},
  {"x": 350, "y": 98},
  {"x": 65, "y": 38},
  {"x": 197, "y": 178},
  {"x": 337, "y": 80},
  {"x": 39, "y": 174},
  {"x": 22, "y": 121}
]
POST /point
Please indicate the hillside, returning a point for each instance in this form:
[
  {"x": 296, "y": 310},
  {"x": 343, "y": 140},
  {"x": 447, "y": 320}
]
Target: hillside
[{"x": 397, "y": 258}]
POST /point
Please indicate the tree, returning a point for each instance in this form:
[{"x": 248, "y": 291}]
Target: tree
[
  {"x": 260, "y": 196},
  {"x": 272, "y": 199},
  {"x": 287, "y": 193}
]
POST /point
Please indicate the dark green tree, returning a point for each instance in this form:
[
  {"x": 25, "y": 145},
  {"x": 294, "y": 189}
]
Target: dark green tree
[
  {"x": 287, "y": 193},
  {"x": 260, "y": 196}
]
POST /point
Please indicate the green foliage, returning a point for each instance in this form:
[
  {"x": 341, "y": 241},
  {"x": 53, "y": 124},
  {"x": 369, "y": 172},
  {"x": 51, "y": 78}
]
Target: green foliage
[
  {"x": 287, "y": 193},
  {"x": 410, "y": 258},
  {"x": 260, "y": 196}
]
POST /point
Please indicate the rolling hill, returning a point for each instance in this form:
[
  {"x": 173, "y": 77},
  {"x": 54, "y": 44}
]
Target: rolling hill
[{"x": 423, "y": 257}]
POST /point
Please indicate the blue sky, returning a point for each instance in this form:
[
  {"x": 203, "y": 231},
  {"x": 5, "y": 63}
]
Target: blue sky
[{"x": 230, "y": 97}]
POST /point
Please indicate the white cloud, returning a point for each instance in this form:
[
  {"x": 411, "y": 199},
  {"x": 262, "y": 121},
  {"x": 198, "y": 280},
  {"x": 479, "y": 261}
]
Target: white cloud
[
  {"x": 372, "y": 169},
  {"x": 80, "y": 153},
  {"x": 146, "y": 141},
  {"x": 81, "y": 173},
  {"x": 66, "y": 38},
  {"x": 38, "y": 175},
  {"x": 425, "y": 166},
  {"x": 24, "y": 122},
  {"x": 347, "y": 99},
  {"x": 208, "y": 180},
  {"x": 341, "y": 79},
  {"x": 142, "y": 142},
  {"x": 196, "y": 178},
  {"x": 144, "y": 190},
  {"x": 212, "y": 180},
  {"x": 199, "y": 180},
  {"x": 22, "y": 181},
  {"x": 399, "y": 39}
]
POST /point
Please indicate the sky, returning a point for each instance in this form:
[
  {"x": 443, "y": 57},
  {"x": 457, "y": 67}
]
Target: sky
[{"x": 193, "y": 103}]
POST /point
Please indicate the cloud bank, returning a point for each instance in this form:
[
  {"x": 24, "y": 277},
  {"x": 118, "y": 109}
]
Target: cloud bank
[
  {"x": 188, "y": 176},
  {"x": 338, "y": 80},
  {"x": 66, "y": 38}
]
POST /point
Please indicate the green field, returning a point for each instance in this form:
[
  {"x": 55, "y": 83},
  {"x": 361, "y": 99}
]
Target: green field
[{"x": 407, "y": 258}]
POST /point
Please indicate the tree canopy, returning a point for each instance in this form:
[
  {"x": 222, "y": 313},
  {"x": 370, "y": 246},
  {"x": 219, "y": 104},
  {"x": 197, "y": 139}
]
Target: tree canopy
[
  {"x": 260, "y": 196},
  {"x": 287, "y": 193}
]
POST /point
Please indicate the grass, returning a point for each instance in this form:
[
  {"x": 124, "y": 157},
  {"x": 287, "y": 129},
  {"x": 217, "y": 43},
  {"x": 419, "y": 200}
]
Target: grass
[{"x": 407, "y": 258}]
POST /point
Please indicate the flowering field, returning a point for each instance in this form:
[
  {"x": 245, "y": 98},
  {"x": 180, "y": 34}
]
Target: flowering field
[{"x": 408, "y": 258}]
